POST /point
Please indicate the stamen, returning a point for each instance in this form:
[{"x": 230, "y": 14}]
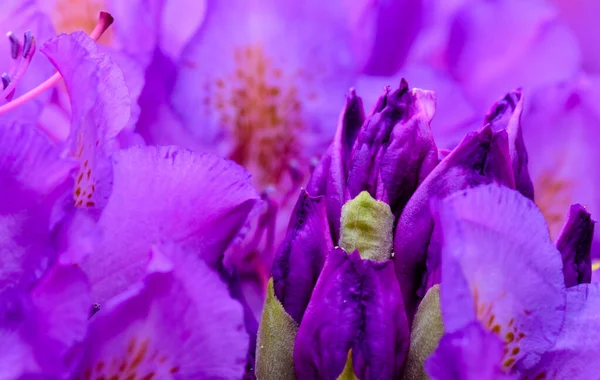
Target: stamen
[
  {"x": 104, "y": 21},
  {"x": 28, "y": 52},
  {"x": 15, "y": 45},
  {"x": 28, "y": 42},
  {"x": 5, "y": 80}
]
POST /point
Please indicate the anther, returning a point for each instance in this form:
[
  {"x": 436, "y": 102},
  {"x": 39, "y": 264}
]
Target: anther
[
  {"x": 27, "y": 43},
  {"x": 5, "y": 81},
  {"x": 15, "y": 45}
]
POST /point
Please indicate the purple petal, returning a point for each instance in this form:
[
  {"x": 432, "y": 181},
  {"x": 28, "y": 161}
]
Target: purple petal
[
  {"x": 356, "y": 305},
  {"x": 301, "y": 256},
  {"x": 501, "y": 268},
  {"x": 467, "y": 354},
  {"x": 397, "y": 25},
  {"x": 562, "y": 128},
  {"x": 39, "y": 330},
  {"x": 100, "y": 110},
  {"x": 473, "y": 162},
  {"x": 574, "y": 356},
  {"x": 527, "y": 47},
  {"x": 506, "y": 114},
  {"x": 329, "y": 177},
  {"x": 574, "y": 243},
  {"x": 395, "y": 149},
  {"x": 181, "y": 322},
  {"x": 161, "y": 193},
  {"x": 33, "y": 178},
  {"x": 580, "y": 16}
]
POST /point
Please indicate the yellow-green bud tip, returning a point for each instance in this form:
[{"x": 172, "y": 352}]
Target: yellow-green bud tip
[{"x": 366, "y": 226}]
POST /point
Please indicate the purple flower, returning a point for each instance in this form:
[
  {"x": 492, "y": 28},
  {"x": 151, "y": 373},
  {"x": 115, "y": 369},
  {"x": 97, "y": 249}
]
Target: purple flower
[{"x": 182, "y": 208}]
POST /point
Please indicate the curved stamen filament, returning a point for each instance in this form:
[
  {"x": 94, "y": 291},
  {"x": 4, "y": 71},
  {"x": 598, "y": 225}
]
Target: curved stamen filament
[
  {"x": 104, "y": 21},
  {"x": 22, "y": 68}
]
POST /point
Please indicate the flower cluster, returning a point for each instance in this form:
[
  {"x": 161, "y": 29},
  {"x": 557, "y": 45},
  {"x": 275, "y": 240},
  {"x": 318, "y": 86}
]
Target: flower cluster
[
  {"x": 405, "y": 261},
  {"x": 149, "y": 168}
]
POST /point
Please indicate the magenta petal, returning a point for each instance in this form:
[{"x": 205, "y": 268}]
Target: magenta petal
[
  {"x": 475, "y": 161},
  {"x": 471, "y": 353},
  {"x": 180, "y": 322},
  {"x": 300, "y": 258},
  {"x": 33, "y": 178},
  {"x": 198, "y": 200},
  {"x": 330, "y": 175},
  {"x": 356, "y": 305},
  {"x": 501, "y": 268},
  {"x": 575, "y": 243}
]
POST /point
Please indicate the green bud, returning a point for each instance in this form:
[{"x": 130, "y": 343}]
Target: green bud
[
  {"x": 275, "y": 341},
  {"x": 427, "y": 330}
]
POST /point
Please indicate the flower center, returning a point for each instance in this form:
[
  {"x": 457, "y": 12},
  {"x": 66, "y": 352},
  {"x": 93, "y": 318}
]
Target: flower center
[
  {"x": 73, "y": 15},
  {"x": 259, "y": 106},
  {"x": 553, "y": 197}
]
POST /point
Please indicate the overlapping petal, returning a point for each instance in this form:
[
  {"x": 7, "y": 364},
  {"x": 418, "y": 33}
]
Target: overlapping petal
[
  {"x": 100, "y": 110},
  {"x": 501, "y": 269},
  {"x": 180, "y": 322},
  {"x": 198, "y": 200},
  {"x": 33, "y": 179}
]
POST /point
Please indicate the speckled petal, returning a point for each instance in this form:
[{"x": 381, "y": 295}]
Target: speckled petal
[
  {"x": 471, "y": 353},
  {"x": 501, "y": 268},
  {"x": 100, "y": 110}
]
